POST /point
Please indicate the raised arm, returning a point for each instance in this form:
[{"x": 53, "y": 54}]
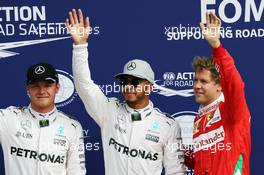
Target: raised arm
[
  {"x": 96, "y": 103},
  {"x": 230, "y": 79}
]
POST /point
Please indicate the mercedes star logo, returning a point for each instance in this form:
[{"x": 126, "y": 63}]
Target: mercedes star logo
[
  {"x": 25, "y": 124},
  {"x": 39, "y": 70},
  {"x": 131, "y": 66}
]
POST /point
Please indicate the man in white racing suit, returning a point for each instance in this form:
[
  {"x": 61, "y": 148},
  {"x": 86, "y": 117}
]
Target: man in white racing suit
[
  {"x": 39, "y": 139},
  {"x": 137, "y": 138}
]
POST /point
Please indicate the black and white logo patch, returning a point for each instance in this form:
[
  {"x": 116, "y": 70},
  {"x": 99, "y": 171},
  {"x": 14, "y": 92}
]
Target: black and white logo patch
[
  {"x": 60, "y": 142},
  {"x": 152, "y": 138},
  {"x": 23, "y": 135}
]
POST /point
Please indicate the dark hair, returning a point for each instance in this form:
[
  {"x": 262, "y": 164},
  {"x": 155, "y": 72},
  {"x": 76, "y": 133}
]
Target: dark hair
[{"x": 206, "y": 63}]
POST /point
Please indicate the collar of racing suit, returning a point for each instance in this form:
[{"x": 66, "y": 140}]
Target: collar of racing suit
[
  {"x": 208, "y": 108},
  {"x": 50, "y": 116},
  {"x": 144, "y": 112}
]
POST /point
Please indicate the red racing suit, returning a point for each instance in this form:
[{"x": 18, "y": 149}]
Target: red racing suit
[{"x": 221, "y": 136}]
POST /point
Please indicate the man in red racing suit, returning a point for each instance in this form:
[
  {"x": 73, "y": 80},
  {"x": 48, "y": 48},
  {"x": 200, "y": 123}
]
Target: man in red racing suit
[{"x": 221, "y": 133}]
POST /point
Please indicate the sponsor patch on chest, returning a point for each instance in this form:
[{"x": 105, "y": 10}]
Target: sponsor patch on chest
[{"x": 152, "y": 138}]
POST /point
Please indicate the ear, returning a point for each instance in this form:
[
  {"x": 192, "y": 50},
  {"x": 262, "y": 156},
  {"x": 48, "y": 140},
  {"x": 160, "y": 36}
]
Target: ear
[
  {"x": 27, "y": 88},
  {"x": 219, "y": 88},
  {"x": 57, "y": 87},
  {"x": 151, "y": 87}
]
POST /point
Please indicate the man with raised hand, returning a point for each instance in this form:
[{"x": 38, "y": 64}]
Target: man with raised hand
[
  {"x": 39, "y": 139},
  {"x": 137, "y": 138},
  {"x": 221, "y": 133}
]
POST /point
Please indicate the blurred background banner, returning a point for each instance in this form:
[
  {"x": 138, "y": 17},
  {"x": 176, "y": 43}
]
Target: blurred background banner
[{"x": 165, "y": 33}]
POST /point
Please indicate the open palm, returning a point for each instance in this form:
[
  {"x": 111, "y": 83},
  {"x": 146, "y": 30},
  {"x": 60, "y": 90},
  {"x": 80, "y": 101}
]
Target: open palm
[
  {"x": 211, "y": 31},
  {"x": 78, "y": 27}
]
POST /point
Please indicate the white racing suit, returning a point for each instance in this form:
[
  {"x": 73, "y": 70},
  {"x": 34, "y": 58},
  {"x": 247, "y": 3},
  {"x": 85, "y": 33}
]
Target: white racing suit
[
  {"x": 41, "y": 144},
  {"x": 140, "y": 147}
]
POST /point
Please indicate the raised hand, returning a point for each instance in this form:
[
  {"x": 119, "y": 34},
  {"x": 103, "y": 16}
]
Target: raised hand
[
  {"x": 78, "y": 27},
  {"x": 211, "y": 31}
]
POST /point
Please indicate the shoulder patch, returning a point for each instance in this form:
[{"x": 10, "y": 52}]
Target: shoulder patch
[
  {"x": 74, "y": 125},
  {"x": 1, "y": 112},
  {"x": 164, "y": 114},
  {"x": 12, "y": 110},
  {"x": 169, "y": 116},
  {"x": 16, "y": 109},
  {"x": 71, "y": 118},
  {"x": 115, "y": 101}
]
